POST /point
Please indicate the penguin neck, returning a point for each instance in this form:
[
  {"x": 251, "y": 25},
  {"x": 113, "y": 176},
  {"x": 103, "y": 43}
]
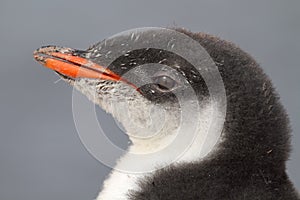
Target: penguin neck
[{"x": 119, "y": 183}]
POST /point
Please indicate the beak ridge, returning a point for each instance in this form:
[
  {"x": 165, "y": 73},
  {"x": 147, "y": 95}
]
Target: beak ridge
[{"x": 71, "y": 63}]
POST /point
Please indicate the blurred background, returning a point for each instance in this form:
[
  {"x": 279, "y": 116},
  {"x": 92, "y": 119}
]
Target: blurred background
[{"x": 41, "y": 156}]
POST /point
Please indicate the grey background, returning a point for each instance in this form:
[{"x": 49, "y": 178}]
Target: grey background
[{"x": 41, "y": 156}]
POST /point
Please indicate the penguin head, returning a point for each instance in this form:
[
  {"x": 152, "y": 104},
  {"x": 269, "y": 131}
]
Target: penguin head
[{"x": 148, "y": 100}]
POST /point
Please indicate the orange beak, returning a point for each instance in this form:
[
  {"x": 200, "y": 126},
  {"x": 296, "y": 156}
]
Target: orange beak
[{"x": 66, "y": 62}]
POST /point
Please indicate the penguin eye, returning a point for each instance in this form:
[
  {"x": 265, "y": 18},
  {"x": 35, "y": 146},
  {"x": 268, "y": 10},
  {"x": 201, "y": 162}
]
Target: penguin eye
[{"x": 164, "y": 83}]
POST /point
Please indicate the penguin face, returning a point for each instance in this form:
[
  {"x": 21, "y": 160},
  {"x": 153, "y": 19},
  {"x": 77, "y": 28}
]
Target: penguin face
[{"x": 145, "y": 100}]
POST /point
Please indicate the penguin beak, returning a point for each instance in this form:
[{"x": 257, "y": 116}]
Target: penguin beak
[{"x": 72, "y": 64}]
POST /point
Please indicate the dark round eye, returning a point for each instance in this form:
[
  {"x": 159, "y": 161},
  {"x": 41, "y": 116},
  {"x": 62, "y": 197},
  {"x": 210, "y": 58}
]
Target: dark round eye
[{"x": 164, "y": 83}]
